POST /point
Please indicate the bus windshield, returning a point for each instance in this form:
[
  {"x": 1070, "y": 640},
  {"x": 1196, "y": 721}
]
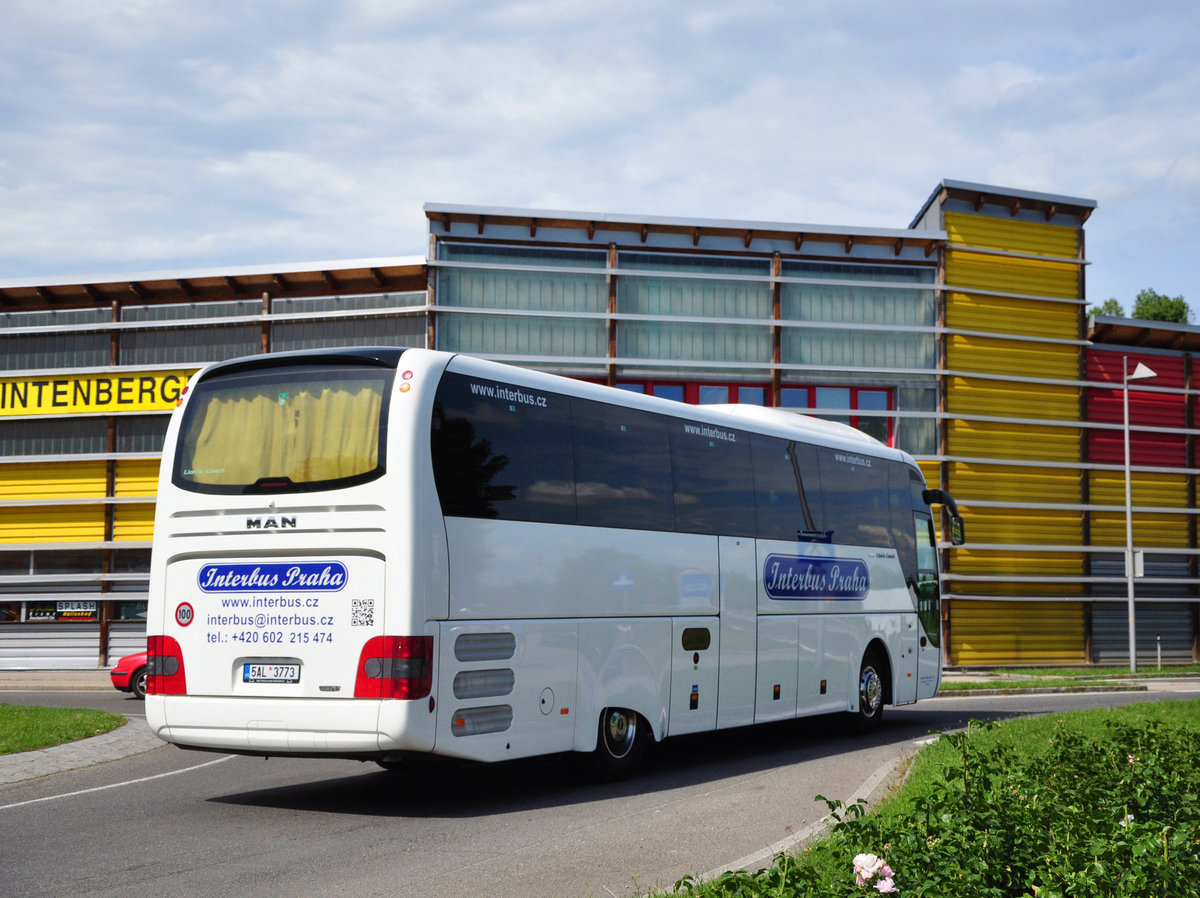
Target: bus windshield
[{"x": 284, "y": 429}]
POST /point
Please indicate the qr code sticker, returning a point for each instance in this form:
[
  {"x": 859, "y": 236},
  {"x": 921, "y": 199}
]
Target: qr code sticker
[{"x": 362, "y": 612}]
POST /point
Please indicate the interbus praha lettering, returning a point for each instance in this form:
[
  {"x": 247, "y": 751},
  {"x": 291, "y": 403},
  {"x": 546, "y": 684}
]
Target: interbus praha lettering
[{"x": 371, "y": 553}]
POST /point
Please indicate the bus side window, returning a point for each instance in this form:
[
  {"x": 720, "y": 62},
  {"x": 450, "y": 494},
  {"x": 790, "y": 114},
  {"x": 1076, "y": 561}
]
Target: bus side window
[
  {"x": 903, "y": 535},
  {"x": 855, "y": 492},
  {"x": 496, "y": 457},
  {"x": 712, "y": 479},
  {"x": 787, "y": 494},
  {"x": 622, "y": 467}
]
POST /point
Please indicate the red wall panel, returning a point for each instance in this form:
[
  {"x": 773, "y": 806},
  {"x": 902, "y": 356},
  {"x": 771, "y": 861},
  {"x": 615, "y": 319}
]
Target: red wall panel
[{"x": 1145, "y": 409}]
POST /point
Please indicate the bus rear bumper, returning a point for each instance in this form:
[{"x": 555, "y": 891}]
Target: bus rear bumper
[{"x": 318, "y": 727}]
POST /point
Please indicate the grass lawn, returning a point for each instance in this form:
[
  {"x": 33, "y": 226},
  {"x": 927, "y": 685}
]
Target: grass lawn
[{"x": 25, "y": 728}]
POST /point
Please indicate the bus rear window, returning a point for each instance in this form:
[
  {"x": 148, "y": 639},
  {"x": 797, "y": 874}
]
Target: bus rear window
[{"x": 284, "y": 429}]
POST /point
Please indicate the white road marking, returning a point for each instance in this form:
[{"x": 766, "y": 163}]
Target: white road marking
[{"x": 144, "y": 779}]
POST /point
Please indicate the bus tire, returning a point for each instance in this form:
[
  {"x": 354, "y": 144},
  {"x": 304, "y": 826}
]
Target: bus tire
[
  {"x": 872, "y": 689},
  {"x": 620, "y": 743}
]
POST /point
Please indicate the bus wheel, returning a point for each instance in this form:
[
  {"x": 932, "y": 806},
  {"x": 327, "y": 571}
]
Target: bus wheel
[
  {"x": 619, "y": 745},
  {"x": 871, "y": 689}
]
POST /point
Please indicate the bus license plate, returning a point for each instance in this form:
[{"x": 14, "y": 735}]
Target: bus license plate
[{"x": 270, "y": 673}]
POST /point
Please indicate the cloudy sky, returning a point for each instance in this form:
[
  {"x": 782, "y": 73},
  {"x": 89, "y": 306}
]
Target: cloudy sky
[{"x": 150, "y": 135}]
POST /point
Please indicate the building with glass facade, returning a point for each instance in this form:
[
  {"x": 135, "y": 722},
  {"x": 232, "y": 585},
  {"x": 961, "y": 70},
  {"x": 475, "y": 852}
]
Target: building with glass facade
[{"x": 962, "y": 339}]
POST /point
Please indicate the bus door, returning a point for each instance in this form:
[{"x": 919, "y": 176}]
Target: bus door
[{"x": 929, "y": 611}]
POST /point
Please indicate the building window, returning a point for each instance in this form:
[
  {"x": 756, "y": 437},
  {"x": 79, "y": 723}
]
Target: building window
[
  {"x": 864, "y": 408},
  {"x": 700, "y": 393}
]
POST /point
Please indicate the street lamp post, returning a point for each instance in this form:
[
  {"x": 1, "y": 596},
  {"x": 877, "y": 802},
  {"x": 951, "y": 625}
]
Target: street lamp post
[{"x": 1141, "y": 372}]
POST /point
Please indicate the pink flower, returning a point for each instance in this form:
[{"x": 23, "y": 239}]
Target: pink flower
[{"x": 886, "y": 886}]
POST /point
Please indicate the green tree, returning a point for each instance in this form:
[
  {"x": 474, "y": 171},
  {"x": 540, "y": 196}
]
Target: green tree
[
  {"x": 1109, "y": 307},
  {"x": 1154, "y": 306}
]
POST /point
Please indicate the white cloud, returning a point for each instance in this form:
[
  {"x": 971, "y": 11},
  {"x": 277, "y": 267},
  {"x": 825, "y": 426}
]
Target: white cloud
[{"x": 158, "y": 134}]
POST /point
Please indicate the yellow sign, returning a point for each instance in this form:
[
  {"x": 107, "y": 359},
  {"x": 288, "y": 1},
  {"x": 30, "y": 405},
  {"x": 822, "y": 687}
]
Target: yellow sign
[{"x": 76, "y": 394}]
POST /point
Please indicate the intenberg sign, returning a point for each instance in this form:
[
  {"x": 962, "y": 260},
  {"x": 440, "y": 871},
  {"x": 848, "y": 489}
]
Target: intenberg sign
[{"x": 76, "y": 394}]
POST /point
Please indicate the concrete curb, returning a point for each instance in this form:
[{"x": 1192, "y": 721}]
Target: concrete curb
[{"x": 132, "y": 739}]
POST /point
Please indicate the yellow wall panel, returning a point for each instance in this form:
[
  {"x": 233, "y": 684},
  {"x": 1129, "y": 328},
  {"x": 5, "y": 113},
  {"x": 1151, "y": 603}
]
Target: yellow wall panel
[
  {"x": 134, "y": 522},
  {"x": 1057, "y": 279},
  {"x": 53, "y": 480},
  {"x": 997, "y": 356},
  {"x": 1147, "y": 488},
  {"x": 137, "y": 477},
  {"x": 1025, "y": 564},
  {"x": 1001, "y": 483},
  {"x": 1012, "y": 235},
  {"x": 1150, "y": 531},
  {"x": 52, "y": 524},
  {"x": 1023, "y": 525},
  {"x": 989, "y": 633},
  {"x": 1027, "y": 317},
  {"x": 971, "y": 396},
  {"x": 986, "y": 439}
]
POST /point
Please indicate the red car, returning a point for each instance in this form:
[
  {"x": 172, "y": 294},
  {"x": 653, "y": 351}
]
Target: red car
[{"x": 129, "y": 674}]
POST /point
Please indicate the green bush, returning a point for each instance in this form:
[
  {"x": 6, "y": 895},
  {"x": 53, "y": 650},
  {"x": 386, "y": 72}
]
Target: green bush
[{"x": 1110, "y": 810}]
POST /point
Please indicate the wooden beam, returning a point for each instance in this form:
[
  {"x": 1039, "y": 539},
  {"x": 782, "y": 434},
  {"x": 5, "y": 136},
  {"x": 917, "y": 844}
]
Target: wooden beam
[
  {"x": 330, "y": 281},
  {"x": 378, "y": 277},
  {"x": 234, "y": 287},
  {"x": 850, "y": 243},
  {"x": 185, "y": 288},
  {"x": 446, "y": 221},
  {"x": 979, "y": 202},
  {"x": 1014, "y": 207},
  {"x": 533, "y": 226},
  {"x": 696, "y": 237},
  {"x": 482, "y": 219},
  {"x": 899, "y": 245},
  {"x": 138, "y": 290},
  {"x": 591, "y": 230},
  {"x": 799, "y": 241},
  {"x": 749, "y": 237},
  {"x": 1051, "y": 209},
  {"x": 645, "y": 232}
]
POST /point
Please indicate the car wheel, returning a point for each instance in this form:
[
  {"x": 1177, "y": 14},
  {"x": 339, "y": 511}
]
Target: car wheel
[{"x": 137, "y": 683}]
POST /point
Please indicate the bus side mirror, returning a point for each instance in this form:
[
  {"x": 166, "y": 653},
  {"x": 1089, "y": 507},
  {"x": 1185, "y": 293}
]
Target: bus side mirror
[{"x": 941, "y": 497}]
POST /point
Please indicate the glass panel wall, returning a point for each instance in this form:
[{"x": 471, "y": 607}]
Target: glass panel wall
[
  {"x": 189, "y": 345},
  {"x": 866, "y": 299},
  {"x": 57, "y": 349},
  {"x": 535, "y": 287},
  {"x": 670, "y": 294}
]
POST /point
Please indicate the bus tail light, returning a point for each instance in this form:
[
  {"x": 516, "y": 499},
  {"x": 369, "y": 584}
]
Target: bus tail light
[
  {"x": 395, "y": 667},
  {"x": 164, "y": 667}
]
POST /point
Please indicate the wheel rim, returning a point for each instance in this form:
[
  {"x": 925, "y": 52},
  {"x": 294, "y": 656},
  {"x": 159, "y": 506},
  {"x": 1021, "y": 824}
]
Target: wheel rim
[
  {"x": 870, "y": 691},
  {"x": 620, "y": 732},
  {"x": 139, "y": 685}
]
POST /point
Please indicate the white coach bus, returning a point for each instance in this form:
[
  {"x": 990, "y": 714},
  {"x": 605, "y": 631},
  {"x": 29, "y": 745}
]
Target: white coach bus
[{"x": 370, "y": 553}]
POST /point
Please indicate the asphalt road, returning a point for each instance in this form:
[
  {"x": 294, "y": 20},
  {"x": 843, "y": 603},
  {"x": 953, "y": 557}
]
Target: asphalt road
[{"x": 168, "y": 822}]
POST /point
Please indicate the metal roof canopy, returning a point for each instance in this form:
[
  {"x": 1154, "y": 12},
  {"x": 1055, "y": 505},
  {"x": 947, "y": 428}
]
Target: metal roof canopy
[
  {"x": 443, "y": 215},
  {"x": 1048, "y": 204},
  {"x": 346, "y": 277},
  {"x": 1104, "y": 330}
]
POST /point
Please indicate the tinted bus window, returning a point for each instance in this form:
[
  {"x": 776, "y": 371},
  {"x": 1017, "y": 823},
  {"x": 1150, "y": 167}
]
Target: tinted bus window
[
  {"x": 786, "y": 489},
  {"x": 854, "y": 493},
  {"x": 284, "y": 428},
  {"x": 622, "y": 467},
  {"x": 502, "y": 451},
  {"x": 903, "y": 536},
  {"x": 712, "y": 479}
]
